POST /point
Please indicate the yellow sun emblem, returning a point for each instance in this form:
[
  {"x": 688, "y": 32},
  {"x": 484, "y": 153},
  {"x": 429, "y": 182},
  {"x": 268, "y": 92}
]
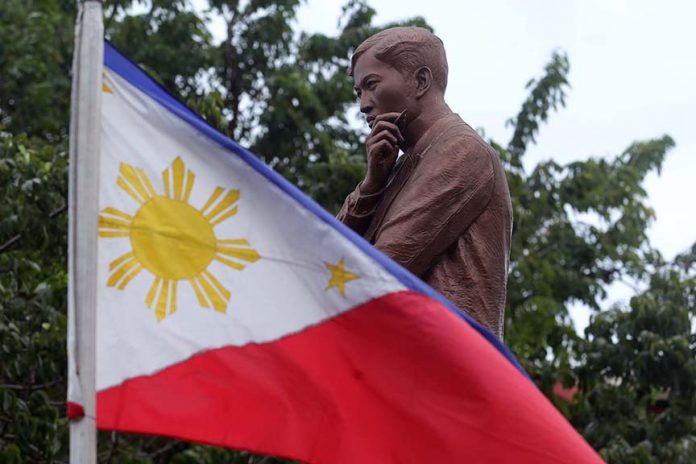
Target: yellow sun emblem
[{"x": 172, "y": 239}]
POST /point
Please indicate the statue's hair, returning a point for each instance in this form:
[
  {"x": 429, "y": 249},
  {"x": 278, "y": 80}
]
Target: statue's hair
[{"x": 407, "y": 49}]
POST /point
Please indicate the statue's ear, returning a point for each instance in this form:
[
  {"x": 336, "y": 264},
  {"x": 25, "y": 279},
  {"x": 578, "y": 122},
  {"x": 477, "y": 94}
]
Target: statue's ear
[{"x": 424, "y": 79}]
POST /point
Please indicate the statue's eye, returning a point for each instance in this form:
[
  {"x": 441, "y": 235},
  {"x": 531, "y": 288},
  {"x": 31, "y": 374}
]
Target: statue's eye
[{"x": 371, "y": 84}]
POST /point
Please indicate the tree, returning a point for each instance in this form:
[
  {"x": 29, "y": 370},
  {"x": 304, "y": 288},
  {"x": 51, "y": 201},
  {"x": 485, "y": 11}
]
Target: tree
[
  {"x": 35, "y": 56},
  {"x": 578, "y": 228},
  {"x": 637, "y": 371},
  {"x": 286, "y": 95},
  {"x": 35, "y": 50},
  {"x": 33, "y": 287}
]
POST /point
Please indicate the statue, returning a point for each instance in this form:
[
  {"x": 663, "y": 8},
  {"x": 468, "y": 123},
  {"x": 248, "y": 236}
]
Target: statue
[{"x": 442, "y": 209}]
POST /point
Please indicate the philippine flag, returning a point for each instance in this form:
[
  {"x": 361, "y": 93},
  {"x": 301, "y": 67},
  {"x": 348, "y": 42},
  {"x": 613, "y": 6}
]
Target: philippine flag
[{"x": 234, "y": 311}]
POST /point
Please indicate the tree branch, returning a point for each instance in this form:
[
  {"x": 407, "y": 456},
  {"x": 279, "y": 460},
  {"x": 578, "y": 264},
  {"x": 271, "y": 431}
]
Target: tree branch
[
  {"x": 231, "y": 74},
  {"x": 10, "y": 242},
  {"x": 17, "y": 237}
]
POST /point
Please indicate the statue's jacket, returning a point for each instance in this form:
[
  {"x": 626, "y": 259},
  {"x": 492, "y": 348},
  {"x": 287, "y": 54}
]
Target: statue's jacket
[{"x": 445, "y": 215}]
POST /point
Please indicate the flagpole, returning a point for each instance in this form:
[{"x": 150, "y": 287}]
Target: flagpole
[{"x": 85, "y": 145}]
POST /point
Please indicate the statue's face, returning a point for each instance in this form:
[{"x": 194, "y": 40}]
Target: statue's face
[{"x": 380, "y": 87}]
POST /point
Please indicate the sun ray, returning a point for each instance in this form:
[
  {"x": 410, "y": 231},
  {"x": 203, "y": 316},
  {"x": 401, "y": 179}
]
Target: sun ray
[
  {"x": 117, "y": 213},
  {"x": 114, "y": 223},
  {"x": 120, "y": 259},
  {"x": 161, "y": 309},
  {"x": 190, "y": 179},
  {"x": 153, "y": 291},
  {"x": 233, "y": 241},
  {"x": 129, "y": 190},
  {"x": 106, "y": 222},
  {"x": 199, "y": 293},
  {"x": 146, "y": 181},
  {"x": 229, "y": 213},
  {"x": 220, "y": 288},
  {"x": 214, "y": 196},
  {"x": 246, "y": 254},
  {"x": 130, "y": 276},
  {"x": 231, "y": 197},
  {"x": 230, "y": 263},
  {"x": 108, "y": 234},
  {"x": 130, "y": 177},
  {"x": 218, "y": 303},
  {"x": 165, "y": 181},
  {"x": 178, "y": 170},
  {"x": 172, "y": 300},
  {"x": 121, "y": 271},
  {"x": 133, "y": 178}
]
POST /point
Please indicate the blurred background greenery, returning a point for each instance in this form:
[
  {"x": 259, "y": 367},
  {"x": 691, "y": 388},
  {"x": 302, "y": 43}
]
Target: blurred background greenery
[{"x": 628, "y": 383}]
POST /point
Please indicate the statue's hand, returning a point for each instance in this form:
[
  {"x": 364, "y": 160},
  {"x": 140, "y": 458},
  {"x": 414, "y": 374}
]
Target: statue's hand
[{"x": 382, "y": 150}]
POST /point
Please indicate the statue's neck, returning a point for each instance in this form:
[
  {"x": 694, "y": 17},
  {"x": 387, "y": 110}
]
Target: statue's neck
[{"x": 418, "y": 126}]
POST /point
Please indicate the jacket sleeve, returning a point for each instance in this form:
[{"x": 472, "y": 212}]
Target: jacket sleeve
[
  {"x": 358, "y": 209},
  {"x": 450, "y": 188}
]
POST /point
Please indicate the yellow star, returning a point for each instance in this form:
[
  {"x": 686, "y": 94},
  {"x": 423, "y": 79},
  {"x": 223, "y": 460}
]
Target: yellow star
[
  {"x": 105, "y": 86},
  {"x": 339, "y": 276}
]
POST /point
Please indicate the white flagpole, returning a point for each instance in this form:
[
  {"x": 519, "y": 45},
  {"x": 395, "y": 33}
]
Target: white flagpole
[{"x": 85, "y": 146}]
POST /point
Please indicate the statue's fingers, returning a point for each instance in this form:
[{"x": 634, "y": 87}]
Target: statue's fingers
[
  {"x": 382, "y": 126},
  {"x": 383, "y": 135},
  {"x": 383, "y": 150},
  {"x": 389, "y": 117}
]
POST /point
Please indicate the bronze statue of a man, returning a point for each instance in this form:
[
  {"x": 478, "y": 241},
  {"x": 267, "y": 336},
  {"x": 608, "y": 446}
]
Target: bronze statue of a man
[{"x": 442, "y": 209}]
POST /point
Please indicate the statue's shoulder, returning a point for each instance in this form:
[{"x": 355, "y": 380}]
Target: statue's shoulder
[{"x": 464, "y": 141}]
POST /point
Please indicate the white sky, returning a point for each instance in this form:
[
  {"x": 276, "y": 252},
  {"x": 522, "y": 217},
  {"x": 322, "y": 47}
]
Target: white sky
[{"x": 633, "y": 77}]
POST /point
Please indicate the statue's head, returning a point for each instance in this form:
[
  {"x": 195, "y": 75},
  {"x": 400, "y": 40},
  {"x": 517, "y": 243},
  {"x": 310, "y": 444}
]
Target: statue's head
[
  {"x": 407, "y": 49},
  {"x": 399, "y": 70}
]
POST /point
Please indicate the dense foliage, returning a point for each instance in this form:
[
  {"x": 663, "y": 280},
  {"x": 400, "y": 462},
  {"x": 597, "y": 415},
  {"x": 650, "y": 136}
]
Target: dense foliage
[{"x": 287, "y": 96}]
